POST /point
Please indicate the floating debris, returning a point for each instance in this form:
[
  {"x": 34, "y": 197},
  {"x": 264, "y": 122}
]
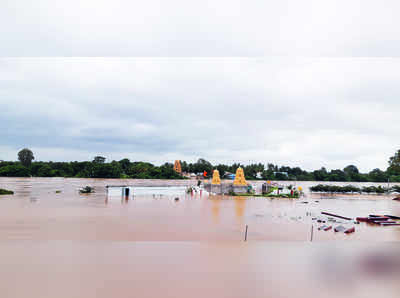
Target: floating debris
[
  {"x": 389, "y": 222},
  {"x": 350, "y": 230},
  {"x": 340, "y": 229},
  {"x": 376, "y": 219},
  {"x": 325, "y": 228},
  {"x": 87, "y": 189},
  {"x": 386, "y": 224},
  {"x": 392, "y": 216},
  {"x": 377, "y": 216},
  {"x": 334, "y": 215}
]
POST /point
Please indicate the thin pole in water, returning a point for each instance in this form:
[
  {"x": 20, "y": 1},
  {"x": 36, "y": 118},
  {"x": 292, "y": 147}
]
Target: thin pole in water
[
  {"x": 312, "y": 232},
  {"x": 245, "y": 235}
]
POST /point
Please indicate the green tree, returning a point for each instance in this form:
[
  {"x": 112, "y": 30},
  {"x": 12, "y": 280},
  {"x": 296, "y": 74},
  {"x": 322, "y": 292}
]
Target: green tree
[
  {"x": 45, "y": 171},
  {"x": 202, "y": 165},
  {"x": 337, "y": 175},
  {"x": 252, "y": 170},
  {"x": 377, "y": 175},
  {"x": 167, "y": 172},
  {"x": 184, "y": 167},
  {"x": 394, "y": 164},
  {"x": 125, "y": 164},
  {"x": 140, "y": 169},
  {"x": 14, "y": 171},
  {"x": 222, "y": 169},
  {"x": 352, "y": 173},
  {"x": 107, "y": 170},
  {"x": 321, "y": 174},
  {"x": 25, "y": 156}
]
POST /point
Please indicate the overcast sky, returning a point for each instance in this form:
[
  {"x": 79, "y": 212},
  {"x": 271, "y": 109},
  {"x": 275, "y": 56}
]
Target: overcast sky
[
  {"x": 199, "y": 28},
  {"x": 299, "y": 83}
]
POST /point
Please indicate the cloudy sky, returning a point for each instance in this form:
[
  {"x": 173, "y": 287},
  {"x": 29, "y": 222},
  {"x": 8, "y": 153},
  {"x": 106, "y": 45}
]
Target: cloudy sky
[{"x": 299, "y": 83}]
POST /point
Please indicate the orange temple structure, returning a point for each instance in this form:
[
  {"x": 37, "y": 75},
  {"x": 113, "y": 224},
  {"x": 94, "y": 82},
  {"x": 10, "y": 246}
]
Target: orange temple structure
[
  {"x": 239, "y": 185},
  {"x": 177, "y": 166}
]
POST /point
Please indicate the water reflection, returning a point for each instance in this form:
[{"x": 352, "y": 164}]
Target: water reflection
[
  {"x": 23, "y": 188},
  {"x": 124, "y": 199},
  {"x": 215, "y": 210},
  {"x": 240, "y": 204}
]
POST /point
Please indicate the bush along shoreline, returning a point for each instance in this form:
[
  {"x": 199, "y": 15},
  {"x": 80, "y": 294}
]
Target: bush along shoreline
[
  {"x": 6, "y": 192},
  {"x": 324, "y": 188}
]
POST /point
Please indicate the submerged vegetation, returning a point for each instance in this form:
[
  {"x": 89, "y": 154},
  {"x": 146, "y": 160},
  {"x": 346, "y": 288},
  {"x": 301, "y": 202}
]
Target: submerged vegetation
[
  {"x": 6, "y": 192},
  {"x": 353, "y": 189},
  {"x": 87, "y": 189}
]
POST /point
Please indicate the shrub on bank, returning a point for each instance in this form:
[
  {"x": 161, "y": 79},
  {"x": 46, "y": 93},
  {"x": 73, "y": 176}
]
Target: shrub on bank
[
  {"x": 6, "y": 192},
  {"x": 374, "y": 189},
  {"x": 396, "y": 188}
]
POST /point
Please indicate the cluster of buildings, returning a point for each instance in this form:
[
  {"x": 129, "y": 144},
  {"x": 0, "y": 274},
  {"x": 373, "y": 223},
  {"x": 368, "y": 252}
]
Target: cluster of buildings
[
  {"x": 178, "y": 169},
  {"x": 239, "y": 184}
]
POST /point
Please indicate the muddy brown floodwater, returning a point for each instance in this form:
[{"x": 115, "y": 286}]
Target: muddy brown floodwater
[{"x": 65, "y": 244}]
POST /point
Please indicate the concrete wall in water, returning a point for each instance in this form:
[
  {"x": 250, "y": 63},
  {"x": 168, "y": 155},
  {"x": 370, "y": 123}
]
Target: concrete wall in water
[{"x": 224, "y": 188}]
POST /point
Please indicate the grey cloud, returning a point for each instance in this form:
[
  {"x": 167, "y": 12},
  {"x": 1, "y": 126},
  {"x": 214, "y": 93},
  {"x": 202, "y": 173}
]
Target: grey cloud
[{"x": 302, "y": 111}]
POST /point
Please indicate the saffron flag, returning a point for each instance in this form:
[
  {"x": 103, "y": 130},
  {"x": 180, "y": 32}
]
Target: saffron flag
[{"x": 205, "y": 173}]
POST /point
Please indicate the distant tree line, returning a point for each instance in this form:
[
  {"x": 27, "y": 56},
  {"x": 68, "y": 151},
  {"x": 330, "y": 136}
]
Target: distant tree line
[
  {"x": 285, "y": 173},
  {"x": 99, "y": 168}
]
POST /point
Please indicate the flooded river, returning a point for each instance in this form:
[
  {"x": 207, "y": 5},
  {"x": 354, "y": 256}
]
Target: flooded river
[
  {"x": 56, "y": 242},
  {"x": 37, "y": 212}
]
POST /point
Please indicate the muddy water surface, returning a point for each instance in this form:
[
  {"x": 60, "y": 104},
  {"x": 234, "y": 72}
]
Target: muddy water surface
[{"x": 36, "y": 211}]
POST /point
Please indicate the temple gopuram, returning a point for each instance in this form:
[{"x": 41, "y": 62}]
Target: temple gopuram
[
  {"x": 238, "y": 186},
  {"x": 177, "y": 167}
]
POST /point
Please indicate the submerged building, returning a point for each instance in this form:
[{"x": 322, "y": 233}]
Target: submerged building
[{"x": 238, "y": 186}]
